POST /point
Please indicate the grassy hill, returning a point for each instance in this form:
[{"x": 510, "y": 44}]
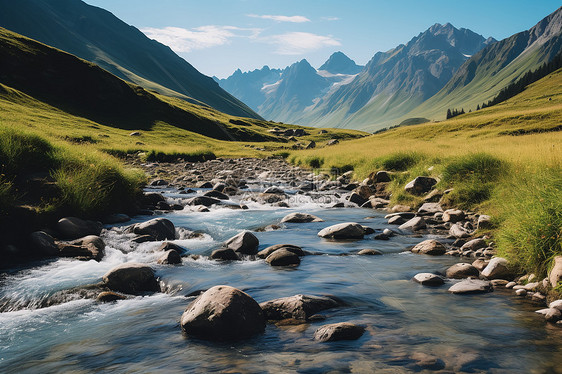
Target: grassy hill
[
  {"x": 60, "y": 96},
  {"x": 505, "y": 160},
  {"x": 96, "y": 35}
]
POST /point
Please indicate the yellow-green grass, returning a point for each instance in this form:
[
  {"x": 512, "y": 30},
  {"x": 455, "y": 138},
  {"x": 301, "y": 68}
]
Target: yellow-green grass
[
  {"x": 510, "y": 162},
  {"x": 20, "y": 111}
]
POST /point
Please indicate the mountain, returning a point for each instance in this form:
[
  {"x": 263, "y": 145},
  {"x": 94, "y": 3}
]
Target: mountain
[
  {"x": 96, "y": 35},
  {"x": 339, "y": 63},
  {"x": 396, "y": 81},
  {"x": 482, "y": 76},
  {"x": 284, "y": 94},
  {"x": 297, "y": 88},
  {"x": 32, "y": 72},
  {"x": 248, "y": 86}
]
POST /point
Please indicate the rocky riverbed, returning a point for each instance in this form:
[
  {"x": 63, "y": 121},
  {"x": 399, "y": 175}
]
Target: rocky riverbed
[{"x": 256, "y": 266}]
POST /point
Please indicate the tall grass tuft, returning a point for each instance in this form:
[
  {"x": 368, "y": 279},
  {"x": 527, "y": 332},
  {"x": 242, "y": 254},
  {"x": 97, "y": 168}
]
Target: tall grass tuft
[
  {"x": 195, "y": 156},
  {"x": 24, "y": 152},
  {"x": 531, "y": 232},
  {"x": 400, "y": 161}
]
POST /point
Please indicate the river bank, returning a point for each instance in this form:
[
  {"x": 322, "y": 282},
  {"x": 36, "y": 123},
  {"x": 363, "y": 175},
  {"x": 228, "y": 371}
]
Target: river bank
[{"x": 406, "y": 325}]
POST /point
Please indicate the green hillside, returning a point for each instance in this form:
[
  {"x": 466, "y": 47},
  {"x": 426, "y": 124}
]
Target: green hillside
[{"x": 96, "y": 35}]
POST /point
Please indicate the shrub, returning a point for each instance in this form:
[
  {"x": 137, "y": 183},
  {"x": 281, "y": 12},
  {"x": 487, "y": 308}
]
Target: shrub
[{"x": 315, "y": 162}]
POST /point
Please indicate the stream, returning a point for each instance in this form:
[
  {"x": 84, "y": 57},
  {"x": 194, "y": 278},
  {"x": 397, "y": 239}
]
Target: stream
[{"x": 407, "y": 324}]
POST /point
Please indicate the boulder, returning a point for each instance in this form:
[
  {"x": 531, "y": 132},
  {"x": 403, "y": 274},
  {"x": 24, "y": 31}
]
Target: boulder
[
  {"x": 396, "y": 220},
  {"x": 339, "y": 331},
  {"x": 311, "y": 145},
  {"x": 244, "y": 243},
  {"x": 289, "y": 247},
  {"x": 415, "y": 224},
  {"x": 420, "y": 185},
  {"x": 555, "y": 274},
  {"x": 428, "y": 279},
  {"x": 469, "y": 286},
  {"x": 553, "y": 315},
  {"x": 556, "y": 304},
  {"x": 498, "y": 267},
  {"x": 364, "y": 191},
  {"x": 166, "y": 246},
  {"x": 458, "y": 231},
  {"x": 301, "y": 218},
  {"x": 369, "y": 252},
  {"x": 74, "y": 228},
  {"x": 158, "y": 183},
  {"x": 43, "y": 243},
  {"x": 204, "y": 185},
  {"x": 484, "y": 222},
  {"x": 170, "y": 257},
  {"x": 87, "y": 251},
  {"x": 453, "y": 215},
  {"x": 474, "y": 245},
  {"x": 131, "y": 278},
  {"x": 283, "y": 257},
  {"x": 299, "y": 307},
  {"x": 95, "y": 240},
  {"x": 216, "y": 195},
  {"x": 429, "y": 247},
  {"x": 480, "y": 264},
  {"x": 158, "y": 228},
  {"x": 225, "y": 254},
  {"x": 153, "y": 198},
  {"x": 223, "y": 313},
  {"x": 332, "y": 142},
  {"x": 430, "y": 209},
  {"x": 346, "y": 230},
  {"x": 381, "y": 177},
  {"x": 202, "y": 200},
  {"x": 462, "y": 270},
  {"x": 355, "y": 198}
]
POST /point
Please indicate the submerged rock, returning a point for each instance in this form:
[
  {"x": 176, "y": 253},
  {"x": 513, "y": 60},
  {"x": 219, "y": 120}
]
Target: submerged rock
[
  {"x": 339, "y": 331},
  {"x": 223, "y": 313},
  {"x": 298, "y": 307},
  {"x": 347, "y": 230},
  {"x": 131, "y": 278},
  {"x": 170, "y": 257},
  {"x": 108, "y": 296},
  {"x": 225, "y": 254},
  {"x": 301, "y": 218},
  {"x": 369, "y": 252},
  {"x": 202, "y": 200}
]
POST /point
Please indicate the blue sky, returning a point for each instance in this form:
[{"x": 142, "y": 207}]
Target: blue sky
[{"x": 219, "y": 36}]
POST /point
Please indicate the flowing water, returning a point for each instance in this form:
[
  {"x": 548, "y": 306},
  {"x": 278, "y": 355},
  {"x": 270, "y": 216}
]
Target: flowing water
[{"x": 493, "y": 332}]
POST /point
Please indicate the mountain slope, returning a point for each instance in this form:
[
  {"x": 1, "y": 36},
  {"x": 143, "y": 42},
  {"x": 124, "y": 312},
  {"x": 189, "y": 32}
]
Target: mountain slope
[
  {"x": 83, "y": 89},
  {"x": 396, "y": 81},
  {"x": 496, "y": 66},
  {"x": 98, "y": 36}
]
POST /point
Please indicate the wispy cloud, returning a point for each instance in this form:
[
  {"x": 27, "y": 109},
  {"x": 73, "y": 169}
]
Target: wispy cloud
[
  {"x": 298, "y": 43},
  {"x": 187, "y": 40},
  {"x": 294, "y": 19},
  {"x": 331, "y": 18}
]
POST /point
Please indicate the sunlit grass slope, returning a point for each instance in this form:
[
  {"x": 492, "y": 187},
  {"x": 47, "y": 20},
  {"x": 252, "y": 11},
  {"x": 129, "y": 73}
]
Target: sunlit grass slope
[{"x": 505, "y": 160}]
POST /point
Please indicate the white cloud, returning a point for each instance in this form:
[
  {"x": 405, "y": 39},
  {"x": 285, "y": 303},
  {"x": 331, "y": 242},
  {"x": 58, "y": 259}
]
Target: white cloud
[
  {"x": 297, "y": 43},
  {"x": 331, "y": 18},
  {"x": 185, "y": 40},
  {"x": 294, "y": 19}
]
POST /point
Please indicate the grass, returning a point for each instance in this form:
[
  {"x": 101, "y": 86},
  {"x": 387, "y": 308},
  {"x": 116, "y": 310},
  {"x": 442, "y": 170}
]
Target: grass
[
  {"x": 505, "y": 161},
  {"x": 89, "y": 183}
]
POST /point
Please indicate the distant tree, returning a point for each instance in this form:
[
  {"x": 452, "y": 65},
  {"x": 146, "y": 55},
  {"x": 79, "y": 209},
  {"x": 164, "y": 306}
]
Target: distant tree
[
  {"x": 449, "y": 114},
  {"x": 478, "y": 107}
]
